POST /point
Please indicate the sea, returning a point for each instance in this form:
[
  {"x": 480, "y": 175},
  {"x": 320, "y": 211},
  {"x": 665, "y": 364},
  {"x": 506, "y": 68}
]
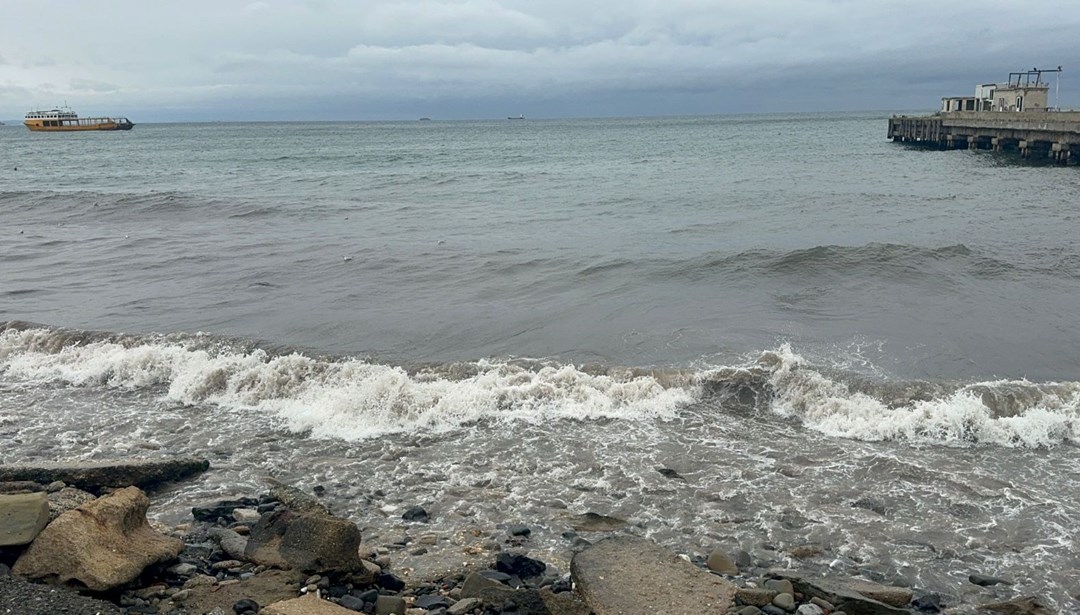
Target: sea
[{"x": 821, "y": 337}]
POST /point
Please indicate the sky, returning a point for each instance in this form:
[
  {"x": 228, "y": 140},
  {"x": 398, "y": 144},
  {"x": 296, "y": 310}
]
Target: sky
[{"x": 226, "y": 60}]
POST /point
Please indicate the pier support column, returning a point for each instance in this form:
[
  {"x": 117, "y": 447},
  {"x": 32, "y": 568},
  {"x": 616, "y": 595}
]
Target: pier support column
[
  {"x": 1025, "y": 150},
  {"x": 1060, "y": 152},
  {"x": 973, "y": 142},
  {"x": 995, "y": 144}
]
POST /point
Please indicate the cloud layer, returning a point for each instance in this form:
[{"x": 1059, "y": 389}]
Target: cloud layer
[{"x": 375, "y": 59}]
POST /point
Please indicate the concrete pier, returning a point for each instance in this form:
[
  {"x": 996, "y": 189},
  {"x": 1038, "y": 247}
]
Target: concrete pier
[{"x": 1033, "y": 134}]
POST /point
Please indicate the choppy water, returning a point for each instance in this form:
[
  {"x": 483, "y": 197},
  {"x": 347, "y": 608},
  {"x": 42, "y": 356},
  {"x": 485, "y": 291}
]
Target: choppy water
[{"x": 834, "y": 339}]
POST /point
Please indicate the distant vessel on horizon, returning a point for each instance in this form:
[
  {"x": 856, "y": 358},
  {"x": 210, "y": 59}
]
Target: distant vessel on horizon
[
  {"x": 520, "y": 117},
  {"x": 66, "y": 120}
]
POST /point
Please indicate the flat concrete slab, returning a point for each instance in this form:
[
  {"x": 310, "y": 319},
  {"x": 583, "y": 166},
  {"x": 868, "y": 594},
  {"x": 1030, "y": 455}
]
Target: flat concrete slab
[
  {"x": 626, "y": 575},
  {"x": 95, "y": 475}
]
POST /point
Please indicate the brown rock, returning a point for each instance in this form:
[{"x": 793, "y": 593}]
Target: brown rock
[
  {"x": 100, "y": 545},
  {"x": 305, "y": 541},
  {"x": 625, "y": 575},
  {"x": 265, "y": 588},
  {"x": 22, "y": 517},
  {"x": 96, "y": 475},
  {"x": 755, "y": 596},
  {"x": 806, "y": 551},
  {"x": 564, "y": 603},
  {"x": 306, "y": 605},
  {"x": 1028, "y": 605},
  {"x": 594, "y": 522},
  {"x": 721, "y": 562}
]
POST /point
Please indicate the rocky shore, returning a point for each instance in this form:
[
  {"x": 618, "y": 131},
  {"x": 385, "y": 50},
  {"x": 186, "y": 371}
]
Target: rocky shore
[{"x": 74, "y": 538}]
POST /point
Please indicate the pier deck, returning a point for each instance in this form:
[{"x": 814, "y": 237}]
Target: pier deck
[{"x": 1049, "y": 134}]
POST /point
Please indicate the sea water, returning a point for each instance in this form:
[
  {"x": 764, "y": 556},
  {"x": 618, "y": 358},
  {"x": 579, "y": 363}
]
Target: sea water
[{"x": 833, "y": 339}]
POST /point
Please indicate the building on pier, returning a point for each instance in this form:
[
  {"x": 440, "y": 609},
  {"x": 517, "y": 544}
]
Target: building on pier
[{"x": 1010, "y": 116}]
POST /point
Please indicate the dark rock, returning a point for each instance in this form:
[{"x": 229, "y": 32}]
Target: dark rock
[
  {"x": 773, "y": 610},
  {"x": 353, "y": 603},
  {"x": 495, "y": 575},
  {"x": 247, "y": 604},
  {"x": 309, "y": 542},
  {"x": 415, "y": 513},
  {"x": 431, "y": 601},
  {"x": 669, "y": 473},
  {"x": 319, "y": 490},
  {"x": 930, "y": 603},
  {"x": 593, "y": 522},
  {"x": 387, "y": 580},
  {"x": 223, "y": 508},
  {"x": 625, "y": 574},
  {"x": 872, "y": 505},
  {"x": 521, "y": 565},
  {"x": 368, "y": 595},
  {"x": 743, "y": 559},
  {"x": 518, "y": 530},
  {"x": 983, "y": 580},
  {"x": 96, "y": 475}
]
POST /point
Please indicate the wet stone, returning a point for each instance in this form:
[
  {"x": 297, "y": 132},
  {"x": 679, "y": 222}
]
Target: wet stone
[
  {"x": 520, "y": 565},
  {"x": 519, "y": 530},
  {"x": 416, "y": 514}
]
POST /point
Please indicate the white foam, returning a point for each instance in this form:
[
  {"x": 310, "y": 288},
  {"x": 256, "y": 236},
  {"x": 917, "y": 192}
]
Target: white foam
[
  {"x": 961, "y": 418},
  {"x": 348, "y": 399}
]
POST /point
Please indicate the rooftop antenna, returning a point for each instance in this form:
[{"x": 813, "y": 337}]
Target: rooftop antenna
[{"x": 1057, "y": 90}]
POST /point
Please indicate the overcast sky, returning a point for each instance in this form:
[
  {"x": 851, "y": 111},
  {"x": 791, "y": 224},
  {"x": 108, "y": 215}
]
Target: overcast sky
[{"x": 200, "y": 60}]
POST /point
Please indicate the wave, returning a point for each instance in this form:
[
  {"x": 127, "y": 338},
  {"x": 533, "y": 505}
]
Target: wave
[{"x": 353, "y": 398}]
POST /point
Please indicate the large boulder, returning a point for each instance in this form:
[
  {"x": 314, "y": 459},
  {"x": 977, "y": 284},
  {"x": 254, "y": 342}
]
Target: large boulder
[
  {"x": 305, "y": 541},
  {"x": 22, "y": 517},
  {"x": 625, "y": 575},
  {"x": 852, "y": 596},
  {"x": 97, "y": 475},
  {"x": 100, "y": 545}
]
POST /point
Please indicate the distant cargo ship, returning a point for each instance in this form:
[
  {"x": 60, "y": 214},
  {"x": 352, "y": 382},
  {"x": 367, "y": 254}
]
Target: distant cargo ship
[{"x": 66, "y": 120}]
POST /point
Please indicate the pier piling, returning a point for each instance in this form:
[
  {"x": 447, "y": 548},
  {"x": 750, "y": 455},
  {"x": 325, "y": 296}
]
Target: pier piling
[{"x": 1034, "y": 134}]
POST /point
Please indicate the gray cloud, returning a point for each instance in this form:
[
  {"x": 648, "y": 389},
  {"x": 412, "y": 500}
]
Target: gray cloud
[{"x": 373, "y": 59}]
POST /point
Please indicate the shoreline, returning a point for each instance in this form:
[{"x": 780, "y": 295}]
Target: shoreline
[{"x": 205, "y": 565}]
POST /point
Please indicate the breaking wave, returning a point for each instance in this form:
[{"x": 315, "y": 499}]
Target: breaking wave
[{"x": 352, "y": 398}]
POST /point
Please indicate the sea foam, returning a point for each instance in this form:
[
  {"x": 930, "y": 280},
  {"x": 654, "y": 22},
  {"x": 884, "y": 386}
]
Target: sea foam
[
  {"x": 1002, "y": 412},
  {"x": 349, "y": 398}
]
